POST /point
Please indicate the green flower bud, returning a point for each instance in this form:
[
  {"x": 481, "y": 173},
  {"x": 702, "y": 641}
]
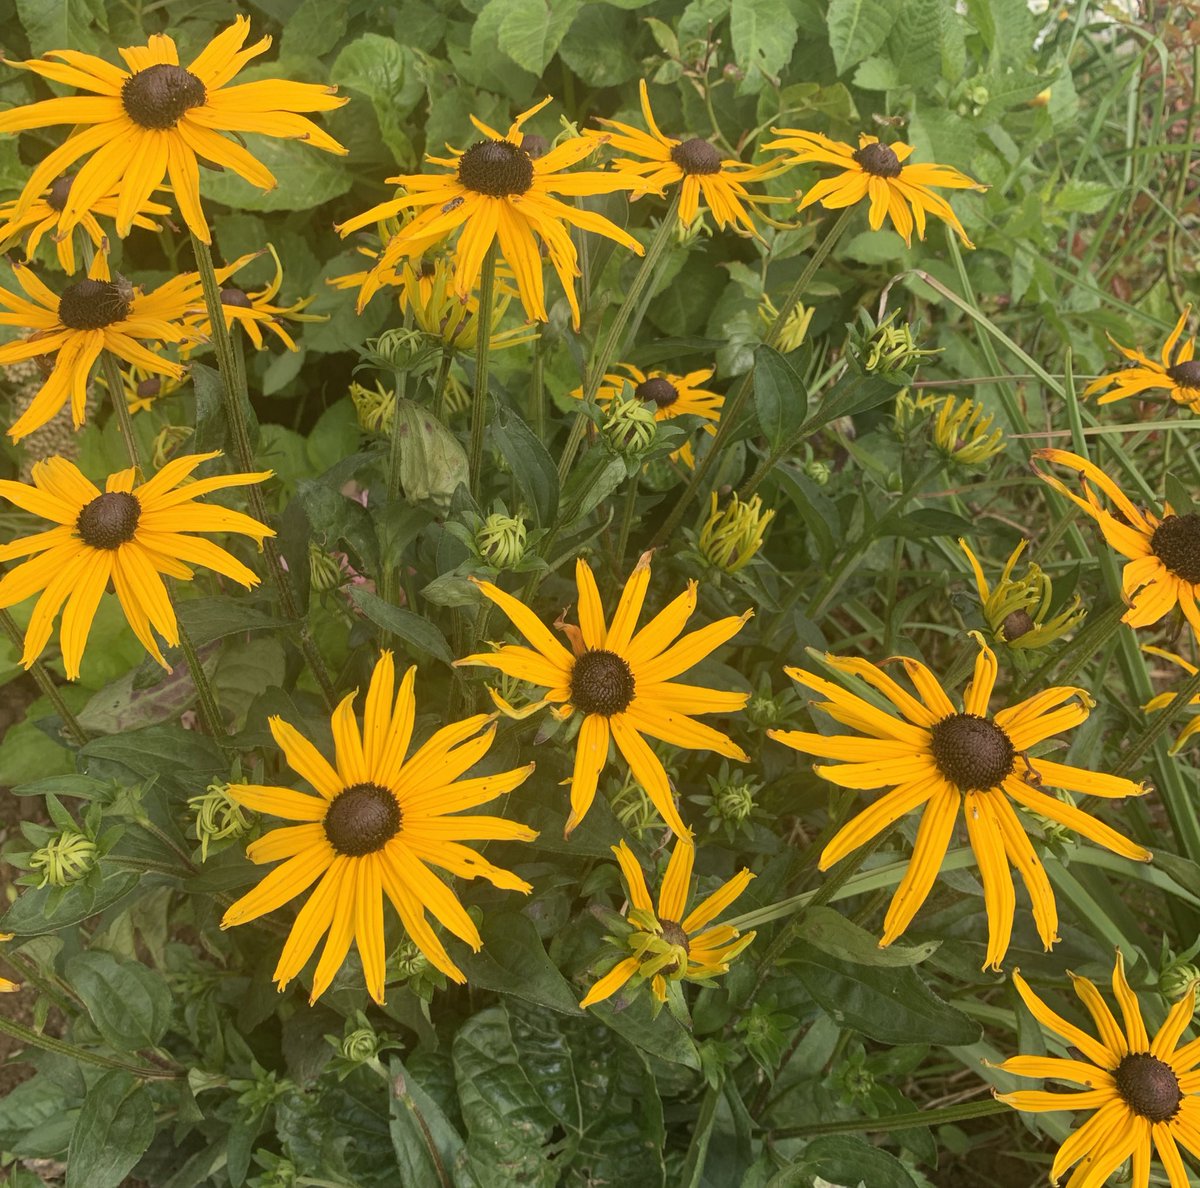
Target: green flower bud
[
  {"x": 324, "y": 571},
  {"x": 501, "y": 540},
  {"x": 730, "y": 538},
  {"x": 893, "y": 348},
  {"x": 630, "y": 426},
  {"x": 65, "y": 859},
  {"x": 1175, "y": 980},
  {"x": 218, "y": 816},
  {"x": 360, "y": 1045}
]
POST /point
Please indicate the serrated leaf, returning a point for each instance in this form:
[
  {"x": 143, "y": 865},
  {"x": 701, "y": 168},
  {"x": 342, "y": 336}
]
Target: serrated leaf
[
  {"x": 210, "y": 619},
  {"x": 386, "y": 73},
  {"x": 112, "y": 1132},
  {"x": 128, "y": 1002},
  {"x": 780, "y": 396},
  {"x": 422, "y": 1136},
  {"x": 764, "y": 35},
  {"x": 531, "y": 30},
  {"x": 404, "y": 624},
  {"x": 857, "y": 28}
]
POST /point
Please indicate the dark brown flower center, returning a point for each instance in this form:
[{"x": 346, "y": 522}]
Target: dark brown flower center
[
  {"x": 93, "y": 304},
  {"x": 496, "y": 168},
  {"x": 1019, "y": 623},
  {"x": 149, "y": 388},
  {"x": 535, "y": 146},
  {"x": 362, "y": 819},
  {"x": 971, "y": 752},
  {"x": 696, "y": 156},
  {"x": 601, "y": 683},
  {"x": 109, "y": 520},
  {"x": 60, "y": 191},
  {"x": 658, "y": 391},
  {"x": 674, "y": 934},
  {"x": 1149, "y": 1086},
  {"x": 878, "y": 159},
  {"x": 427, "y": 269},
  {"x": 1186, "y": 375},
  {"x": 1176, "y": 543},
  {"x": 159, "y": 95},
  {"x": 232, "y": 296}
]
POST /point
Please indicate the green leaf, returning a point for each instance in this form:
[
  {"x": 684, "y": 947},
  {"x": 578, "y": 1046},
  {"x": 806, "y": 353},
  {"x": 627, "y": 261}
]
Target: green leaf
[
  {"x": 155, "y": 751},
  {"x": 123, "y": 705},
  {"x": 1083, "y": 196},
  {"x": 830, "y": 931},
  {"x": 891, "y": 1005},
  {"x": 128, "y": 1002},
  {"x": 32, "y": 915},
  {"x": 314, "y": 29},
  {"x": 857, "y": 28},
  {"x": 212, "y": 425},
  {"x": 112, "y": 1132},
  {"x": 927, "y": 33},
  {"x": 764, "y": 35},
  {"x": 416, "y": 631},
  {"x": 210, "y": 619},
  {"x": 853, "y": 394},
  {"x": 780, "y": 397},
  {"x": 58, "y": 24},
  {"x": 843, "y": 1159},
  {"x": 662, "y": 1036},
  {"x": 422, "y": 1136},
  {"x": 531, "y": 30},
  {"x": 530, "y": 462},
  {"x": 386, "y": 73},
  {"x": 514, "y": 961},
  {"x": 1179, "y": 496},
  {"x": 931, "y": 521},
  {"x": 593, "y": 479},
  {"x": 597, "y": 47},
  {"x": 305, "y": 177}
]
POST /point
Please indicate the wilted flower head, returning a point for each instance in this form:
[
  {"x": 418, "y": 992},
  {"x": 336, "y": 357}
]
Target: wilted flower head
[
  {"x": 373, "y": 407},
  {"x": 1016, "y": 608},
  {"x": 731, "y": 536}
]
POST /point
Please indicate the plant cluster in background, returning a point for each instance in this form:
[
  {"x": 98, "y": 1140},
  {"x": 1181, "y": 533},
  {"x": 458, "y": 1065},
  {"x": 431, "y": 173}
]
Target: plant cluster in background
[{"x": 556, "y": 559}]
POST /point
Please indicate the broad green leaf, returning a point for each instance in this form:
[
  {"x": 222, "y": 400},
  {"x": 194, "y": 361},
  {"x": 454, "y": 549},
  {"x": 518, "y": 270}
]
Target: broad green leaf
[
  {"x": 780, "y": 397},
  {"x": 853, "y": 394},
  {"x": 529, "y": 460},
  {"x": 59, "y": 24},
  {"x": 415, "y": 630},
  {"x": 930, "y": 521},
  {"x": 891, "y": 1005},
  {"x": 386, "y": 73},
  {"x": 210, "y": 619},
  {"x": 314, "y": 28},
  {"x": 422, "y": 1136},
  {"x": 844, "y": 1159},
  {"x": 662, "y": 1036},
  {"x": 212, "y": 424},
  {"x": 531, "y": 30},
  {"x": 123, "y": 705},
  {"x": 164, "y": 750},
  {"x": 305, "y": 177},
  {"x": 112, "y": 1132},
  {"x": 29, "y": 1105},
  {"x": 764, "y": 35},
  {"x": 598, "y": 46},
  {"x": 128, "y": 1002},
  {"x": 830, "y": 931},
  {"x": 31, "y": 915},
  {"x": 857, "y": 28},
  {"x": 1082, "y": 196}
]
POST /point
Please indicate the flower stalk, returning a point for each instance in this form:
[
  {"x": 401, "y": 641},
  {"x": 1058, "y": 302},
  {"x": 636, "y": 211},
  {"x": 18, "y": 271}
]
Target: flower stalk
[{"x": 483, "y": 342}]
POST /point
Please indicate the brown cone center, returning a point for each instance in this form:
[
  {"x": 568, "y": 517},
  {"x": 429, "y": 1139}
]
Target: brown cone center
[
  {"x": 601, "y": 683},
  {"x": 236, "y": 297},
  {"x": 92, "y": 305},
  {"x": 60, "y": 191},
  {"x": 158, "y": 96},
  {"x": 1186, "y": 375},
  {"x": 658, "y": 391},
  {"x": 1149, "y": 1086},
  {"x": 879, "y": 160},
  {"x": 1176, "y": 543},
  {"x": 973, "y": 753},
  {"x": 496, "y": 168},
  {"x": 109, "y": 520},
  {"x": 696, "y": 156},
  {"x": 362, "y": 819},
  {"x": 1016, "y": 624}
]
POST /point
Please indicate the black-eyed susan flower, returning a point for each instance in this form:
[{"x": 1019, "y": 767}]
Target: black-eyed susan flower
[
  {"x": 962, "y": 432},
  {"x": 92, "y": 315},
  {"x": 1163, "y": 551},
  {"x": 1162, "y": 700},
  {"x": 254, "y": 310},
  {"x": 1016, "y": 609},
  {"x": 668, "y": 395},
  {"x": 945, "y": 761},
  {"x": 1143, "y": 1093},
  {"x": 671, "y": 945},
  {"x": 1177, "y": 373},
  {"x": 378, "y": 826},
  {"x": 732, "y": 535},
  {"x": 44, "y": 216},
  {"x": 159, "y": 119},
  {"x": 497, "y": 192},
  {"x": 620, "y": 684},
  {"x": 127, "y": 535},
  {"x": 694, "y": 165},
  {"x": 877, "y": 172}
]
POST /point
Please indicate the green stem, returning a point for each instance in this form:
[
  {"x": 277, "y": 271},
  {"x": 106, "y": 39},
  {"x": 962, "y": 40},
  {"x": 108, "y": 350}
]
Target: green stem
[
  {"x": 537, "y": 392},
  {"x": 734, "y": 404},
  {"x": 627, "y": 519},
  {"x": 938, "y": 1117},
  {"x": 439, "y": 384},
  {"x": 1158, "y": 727},
  {"x": 235, "y": 399},
  {"x": 206, "y": 700},
  {"x": 603, "y": 357},
  {"x": 45, "y": 682},
  {"x": 35, "y": 1039},
  {"x": 487, "y": 289}
]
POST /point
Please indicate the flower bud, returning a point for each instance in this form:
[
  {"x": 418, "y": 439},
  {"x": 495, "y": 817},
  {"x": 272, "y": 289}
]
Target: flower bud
[
  {"x": 324, "y": 570},
  {"x": 501, "y": 540},
  {"x": 963, "y": 432},
  {"x": 65, "y": 859},
  {"x": 1175, "y": 980},
  {"x": 374, "y": 409},
  {"x": 218, "y": 816},
  {"x": 892, "y": 347},
  {"x": 630, "y": 426},
  {"x": 731, "y": 537},
  {"x": 360, "y": 1045}
]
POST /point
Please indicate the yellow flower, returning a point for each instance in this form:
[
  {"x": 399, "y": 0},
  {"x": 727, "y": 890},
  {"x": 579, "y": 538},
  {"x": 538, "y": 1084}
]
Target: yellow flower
[
  {"x": 963, "y": 432},
  {"x": 158, "y": 119},
  {"x": 142, "y": 389},
  {"x": 1162, "y": 700},
  {"x": 935, "y": 756},
  {"x": 255, "y": 311},
  {"x": 620, "y": 683},
  {"x": 427, "y": 290},
  {"x": 1164, "y": 552},
  {"x": 90, "y": 316},
  {"x": 1016, "y": 609},
  {"x": 376, "y": 826},
  {"x": 497, "y": 191},
  {"x": 670, "y": 396},
  {"x": 666, "y": 945},
  {"x": 128, "y": 535},
  {"x": 44, "y": 215},
  {"x": 7, "y": 987},
  {"x": 695, "y": 164},
  {"x": 1144, "y": 1093},
  {"x": 1178, "y": 374},
  {"x": 732, "y": 536},
  {"x": 876, "y": 171}
]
